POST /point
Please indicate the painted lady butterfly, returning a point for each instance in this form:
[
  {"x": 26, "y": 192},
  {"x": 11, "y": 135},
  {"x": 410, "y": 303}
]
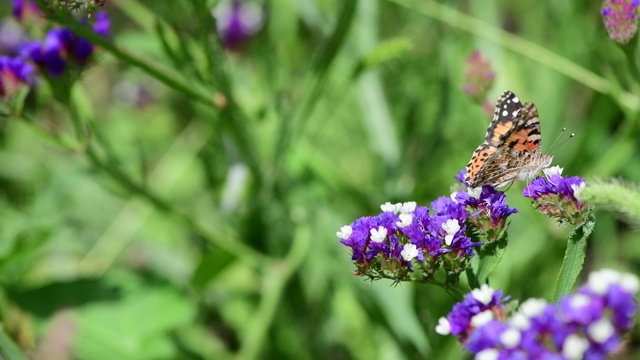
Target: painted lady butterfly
[{"x": 511, "y": 147}]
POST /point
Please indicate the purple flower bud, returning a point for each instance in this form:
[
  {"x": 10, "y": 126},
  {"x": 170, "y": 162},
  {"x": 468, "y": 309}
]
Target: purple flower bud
[
  {"x": 620, "y": 18},
  {"x": 26, "y": 10},
  {"x": 479, "y": 77},
  {"x": 237, "y": 21},
  {"x": 14, "y": 74}
]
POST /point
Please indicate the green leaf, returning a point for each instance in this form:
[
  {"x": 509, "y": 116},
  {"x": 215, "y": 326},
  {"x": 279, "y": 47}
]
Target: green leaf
[
  {"x": 573, "y": 258},
  {"x": 136, "y": 327}
]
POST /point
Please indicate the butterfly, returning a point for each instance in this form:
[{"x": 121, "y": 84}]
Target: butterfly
[{"x": 511, "y": 148}]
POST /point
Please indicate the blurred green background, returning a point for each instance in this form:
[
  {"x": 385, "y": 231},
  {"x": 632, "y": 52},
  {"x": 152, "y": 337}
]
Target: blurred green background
[{"x": 198, "y": 220}]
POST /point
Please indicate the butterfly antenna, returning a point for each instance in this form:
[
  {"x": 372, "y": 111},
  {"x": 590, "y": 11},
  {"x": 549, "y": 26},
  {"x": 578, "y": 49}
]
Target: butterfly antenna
[{"x": 553, "y": 145}]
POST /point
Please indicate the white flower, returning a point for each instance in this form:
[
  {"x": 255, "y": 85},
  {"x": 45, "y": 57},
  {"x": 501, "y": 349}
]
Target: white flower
[
  {"x": 574, "y": 347},
  {"x": 554, "y": 170},
  {"x": 484, "y": 294},
  {"x": 344, "y": 232},
  {"x": 386, "y": 207},
  {"x": 510, "y": 338},
  {"x": 579, "y": 300},
  {"x": 601, "y": 330},
  {"x": 629, "y": 282},
  {"x": 533, "y": 307},
  {"x": 599, "y": 281},
  {"x": 405, "y": 220},
  {"x": 520, "y": 321},
  {"x": 487, "y": 354},
  {"x": 378, "y": 235},
  {"x": 482, "y": 318},
  {"x": 443, "y": 327},
  {"x": 453, "y": 197},
  {"x": 451, "y": 227},
  {"x": 577, "y": 189},
  {"x": 475, "y": 192},
  {"x": 408, "y": 207},
  {"x": 409, "y": 252}
]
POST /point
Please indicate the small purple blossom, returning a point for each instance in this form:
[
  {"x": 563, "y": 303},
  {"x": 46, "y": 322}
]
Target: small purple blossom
[
  {"x": 558, "y": 196},
  {"x": 25, "y": 10},
  {"x": 14, "y": 74},
  {"x": 620, "y": 18},
  {"x": 487, "y": 209},
  {"x": 237, "y": 21},
  {"x": 11, "y": 36},
  {"x": 587, "y": 324},
  {"x": 479, "y": 79},
  {"x": 62, "y": 46},
  {"x": 390, "y": 243}
]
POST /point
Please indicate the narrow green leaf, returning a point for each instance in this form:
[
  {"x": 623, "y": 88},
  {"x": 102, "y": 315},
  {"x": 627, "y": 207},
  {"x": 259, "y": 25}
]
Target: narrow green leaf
[{"x": 573, "y": 258}]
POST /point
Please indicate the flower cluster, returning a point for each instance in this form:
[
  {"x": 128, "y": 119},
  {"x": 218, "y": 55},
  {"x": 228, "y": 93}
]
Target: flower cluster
[
  {"x": 479, "y": 79},
  {"x": 385, "y": 245},
  {"x": 237, "y": 21},
  {"x": 620, "y": 19},
  {"x": 14, "y": 73},
  {"x": 558, "y": 196},
  {"x": 587, "y": 324},
  {"x": 62, "y": 47},
  {"x": 486, "y": 207}
]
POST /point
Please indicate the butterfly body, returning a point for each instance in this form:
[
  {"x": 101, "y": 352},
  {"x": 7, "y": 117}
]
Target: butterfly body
[{"x": 511, "y": 149}]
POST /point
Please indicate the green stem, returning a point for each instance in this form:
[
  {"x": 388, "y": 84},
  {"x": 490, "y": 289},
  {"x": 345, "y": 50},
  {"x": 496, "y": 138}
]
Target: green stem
[
  {"x": 573, "y": 258},
  {"x": 321, "y": 66},
  {"x": 275, "y": 281},
  {"x": 8, "y": 348},
  {"x": 629, "y": 51}
]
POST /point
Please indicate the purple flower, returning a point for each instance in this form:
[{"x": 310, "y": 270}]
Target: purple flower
[
  {"x": 460, "y": 176},
  {"x": 479, "y": 79},
  {"x": 557, "y": 196},
  {"x": 620, "y": 18},
  {"x": 389, "y": 244},
  {"x": 24, "y": 10},
  {"x": 237, "y": 21},
  {"x": 14, "y": 73},
  {"x": 487, "y": 209},
  {"x": 62, "y": 46},
  {"x": 587, "y": 324}
]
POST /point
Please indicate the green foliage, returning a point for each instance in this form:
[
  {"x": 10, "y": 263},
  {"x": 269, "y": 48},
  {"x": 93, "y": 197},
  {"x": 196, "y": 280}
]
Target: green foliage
[{"x": 181, "y": 201}]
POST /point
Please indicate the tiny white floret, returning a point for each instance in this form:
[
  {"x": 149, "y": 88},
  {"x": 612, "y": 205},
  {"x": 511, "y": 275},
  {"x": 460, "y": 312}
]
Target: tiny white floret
[
  {"x": 554, "y": 170},
  {"x": 577, "y": 189},
  {"x": 533, "y": 307},
  {"x": 451, "y": 227},
  {"x": 601, "y": 330},
  {"x": 579, "y": 300},
  {"x": 405, "y": 220},
  {"x": 378, "y": 235},
  {"x": 443, "y": 327},
  {"x": 409, "y": 252},
  {"x": 388, "y": 207},
  {"x": 487, "y": 354},
  {"x": 484, "y": 294},
  {"x": 344, "y": 232},
  {"x": 574, "y": 347},
  {"x": 408, "y": 207},
  {"x": 482, "y": 318},
  {"x": 629, "y": 282},
  {"x": 475, "y": 192},
  {"x": 510, "y": 338},
  {"x": 520, "y": 321},
  {"x": 599, "y": 281}
]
